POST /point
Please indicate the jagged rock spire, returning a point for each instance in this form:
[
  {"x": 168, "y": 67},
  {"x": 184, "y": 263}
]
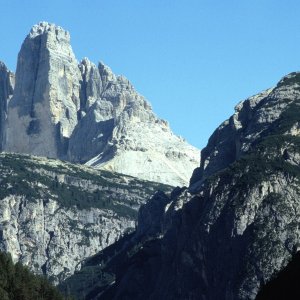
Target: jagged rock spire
[
  {"x": 85, "y": 113},
  {"x": 43, "y": 111}
]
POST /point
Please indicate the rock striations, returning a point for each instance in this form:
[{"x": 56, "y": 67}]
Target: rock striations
[
  {"x": 232, "y": 231},
  {"x": 85, "y": 114}
]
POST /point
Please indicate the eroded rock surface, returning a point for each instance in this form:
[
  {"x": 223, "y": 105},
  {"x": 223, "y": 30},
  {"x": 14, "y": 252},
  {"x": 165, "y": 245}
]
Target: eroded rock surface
[
  {"x": 53, "y": 215},
  {"x": 86, "y": 114},
  {"x": 42, "y": 113}
]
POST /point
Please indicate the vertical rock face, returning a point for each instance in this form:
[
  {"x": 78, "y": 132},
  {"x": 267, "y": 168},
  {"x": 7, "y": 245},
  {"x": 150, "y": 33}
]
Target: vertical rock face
[
  {"x": 7, "y": 81},
  {"x": 86, "y": 114},
  {"x": 43, "y": 111},
  {"x": 54, "y": 214},
  {"x": 53, "y": 240},
  {"x": 93, "y": 133}
]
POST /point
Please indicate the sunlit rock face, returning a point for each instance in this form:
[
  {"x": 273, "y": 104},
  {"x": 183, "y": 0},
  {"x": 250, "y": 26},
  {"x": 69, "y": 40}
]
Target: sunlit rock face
[
  {"x": 85, "y": 113},
  {"x": 43, "y": 110}
]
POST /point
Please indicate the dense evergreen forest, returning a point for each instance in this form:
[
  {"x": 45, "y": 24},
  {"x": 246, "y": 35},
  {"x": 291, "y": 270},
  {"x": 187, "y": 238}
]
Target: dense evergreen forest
[{"x": 18, "y": 283}]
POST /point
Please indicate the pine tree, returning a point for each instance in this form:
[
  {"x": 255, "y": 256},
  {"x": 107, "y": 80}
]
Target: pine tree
[{"x": 18, "y": 283}]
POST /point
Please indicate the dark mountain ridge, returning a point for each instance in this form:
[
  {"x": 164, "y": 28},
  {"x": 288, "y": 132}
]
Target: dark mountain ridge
[{"x": 236, "y": 226}]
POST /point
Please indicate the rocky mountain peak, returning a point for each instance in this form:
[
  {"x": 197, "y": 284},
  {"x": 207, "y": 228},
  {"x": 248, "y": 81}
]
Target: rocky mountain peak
[
  {"x": 49, "y": 28},
  {"x": 2, "y": 65},
  {"x": 290, "y": 79},
  {"x": 106, "y": 72},
  {"x": 9, "y": 76},
  {"x": 86, "y": 114},
  {"x": 43, "y": 110},
  {"x": 253, "y": 117}
]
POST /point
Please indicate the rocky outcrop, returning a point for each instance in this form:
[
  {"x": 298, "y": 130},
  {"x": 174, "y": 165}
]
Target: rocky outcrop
[
  {"x": 7, "y": 81},
  {"x": 86, "y": 114},
  {"x": 53, "y": 215},
  {"x": 43, "y": 110},
  {"x": 252, "y": 119},
  {"x": 233, "y": 230},
  {"x": 118, "y": 131},
  {"x": 52, "y": 240}
]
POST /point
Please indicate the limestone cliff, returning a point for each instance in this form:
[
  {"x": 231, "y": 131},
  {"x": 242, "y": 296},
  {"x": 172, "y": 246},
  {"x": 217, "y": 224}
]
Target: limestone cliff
[
  {"x": 53, "y": 214},
  {"x": 43, "y": 110},
  {"x": 122, "y": 133},
  {"x": 86, "y": 114}
]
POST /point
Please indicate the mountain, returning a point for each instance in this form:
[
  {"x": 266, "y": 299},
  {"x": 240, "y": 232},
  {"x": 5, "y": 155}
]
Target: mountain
[
  {"x": 231, "y": 231},
  {"x": 55, "y": 214},
  {"x": 83, "y": 113}
]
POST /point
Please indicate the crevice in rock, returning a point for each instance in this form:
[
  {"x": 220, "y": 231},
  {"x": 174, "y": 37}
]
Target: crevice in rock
[
  {"x": 32, "y": 112},
  {"x": 20, "y": 209},
  {"x": 47, "y": 252},
  {"x": 83, "y": 87},
  {"x": 62, "y": 142}
]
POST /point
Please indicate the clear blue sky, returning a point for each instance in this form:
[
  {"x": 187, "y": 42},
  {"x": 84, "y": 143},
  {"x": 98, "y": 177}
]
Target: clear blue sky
[{"x": 192, "y": 59}]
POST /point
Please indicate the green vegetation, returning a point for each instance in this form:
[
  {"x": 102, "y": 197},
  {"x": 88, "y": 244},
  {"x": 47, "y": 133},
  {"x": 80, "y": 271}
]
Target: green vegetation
[
  {"x": 18, "y": 283},
  {"x": 81, "y": 188},
  {"x": 268, "y": 155}
]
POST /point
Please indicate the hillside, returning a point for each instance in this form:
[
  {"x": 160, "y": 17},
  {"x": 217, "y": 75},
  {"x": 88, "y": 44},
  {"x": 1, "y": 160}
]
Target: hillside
[
  {"x": 236, "y": 226},
  {"x": 54, "y": 214}
]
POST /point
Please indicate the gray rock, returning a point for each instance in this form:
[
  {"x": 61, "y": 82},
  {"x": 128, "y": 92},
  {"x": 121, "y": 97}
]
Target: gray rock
[
  {"x": 7, "y": 81},
  {"x": 53, "y": 215},
  {"x": 235, "y": 136},
  {"x": 86, "y": 114},
  {"x": 43, "y": 111},
  {"x": 121, "y": 133}
]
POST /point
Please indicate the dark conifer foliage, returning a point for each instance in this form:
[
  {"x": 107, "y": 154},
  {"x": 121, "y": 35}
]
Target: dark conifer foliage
[{"x": 18, "y": 283}]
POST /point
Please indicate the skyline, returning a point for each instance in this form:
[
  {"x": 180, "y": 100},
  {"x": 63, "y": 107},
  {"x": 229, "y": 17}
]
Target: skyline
[{"x": 193, "y": 60}]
